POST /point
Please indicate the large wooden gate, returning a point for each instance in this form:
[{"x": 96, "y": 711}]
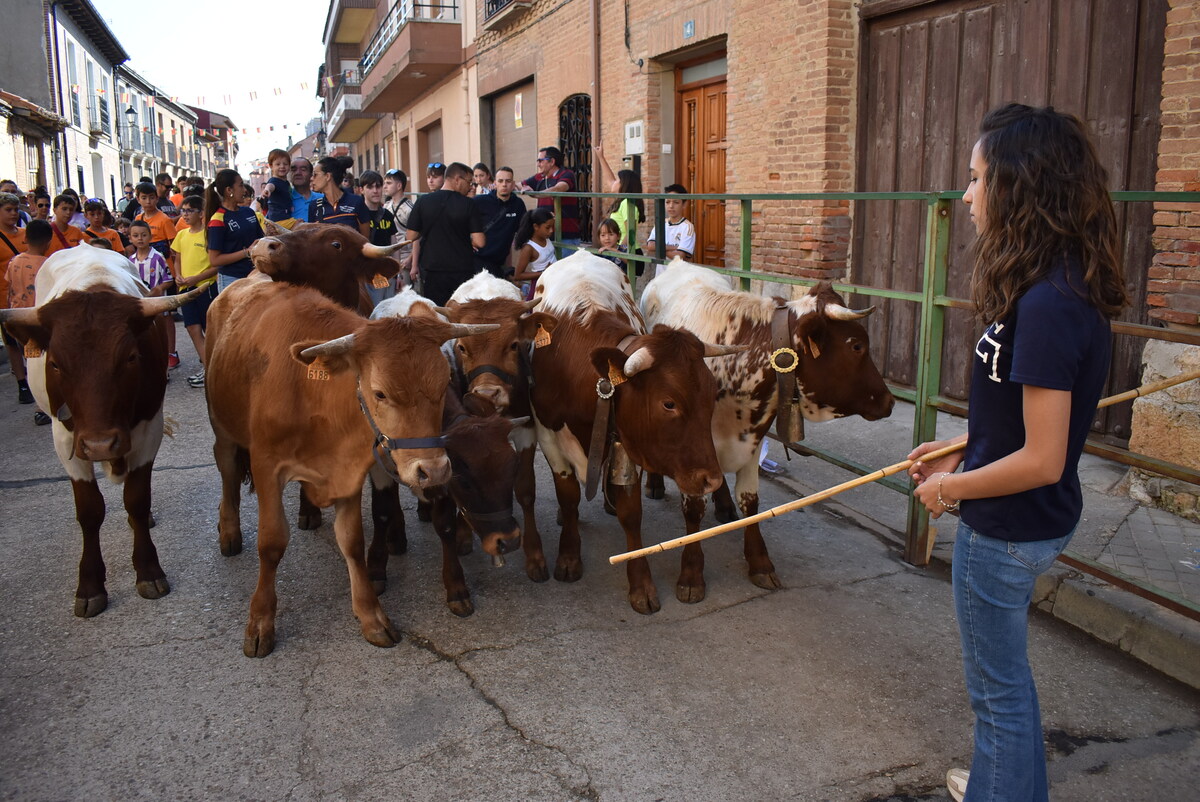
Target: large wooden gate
[
  {"x": 929, "y": 72},
  {"x": 701, "y": 162}
]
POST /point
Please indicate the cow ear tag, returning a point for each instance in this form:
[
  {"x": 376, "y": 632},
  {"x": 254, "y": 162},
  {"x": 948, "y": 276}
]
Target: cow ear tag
[
  {"x": 615, "y": 376},
  {"x": 816, "y": 352},
  {"x": 542, "y": 338},
  {"x": 32, "y": 351},
  {"x": 380, "y": 282},
  {"x": 317, "y": 373}
]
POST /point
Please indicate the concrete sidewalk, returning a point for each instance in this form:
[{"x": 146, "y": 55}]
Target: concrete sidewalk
[{"x": 1144, "y": 543}]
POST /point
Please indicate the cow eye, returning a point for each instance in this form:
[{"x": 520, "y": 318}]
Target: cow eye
[
  {"x": 337, "y": 245},
  {"x": 857, "y": 345},
  {"x": 514, "y": 346},
  {"x": 669, "y": 406},
  {"x": 462, "y": 349},
  {"x": 133, "y": 357},
  {"x": 379, "y": 394}
]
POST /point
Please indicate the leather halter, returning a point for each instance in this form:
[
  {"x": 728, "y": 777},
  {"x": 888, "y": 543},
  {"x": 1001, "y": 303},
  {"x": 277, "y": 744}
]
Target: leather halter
[
  {"x": 392, "y": 443},
  {"x": 785, "y": 362},
  {"x": 603, "y": 427}
]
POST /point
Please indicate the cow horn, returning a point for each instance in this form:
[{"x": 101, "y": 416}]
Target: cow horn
[
  {"x": 271, "y": 228},
  {"x": 167, "y": 303},
  {"x": 332, "y": 348},
  {"x": 839, "y": 312},
  {"x": 521, "y": 421},
  {"x": 27, "y": 316},
  {"x": 529, "y": 305},
  {"x": 639, "y": 360},
  {"x": 469, "y": 329},
  {"x": 712, "y": 349},
  {"x": 381, "y": 251},
  {"x": 444, "y": 311}
]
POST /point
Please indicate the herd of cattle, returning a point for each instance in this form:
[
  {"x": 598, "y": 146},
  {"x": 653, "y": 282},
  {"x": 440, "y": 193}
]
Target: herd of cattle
[{"x": 306, "y": 383}]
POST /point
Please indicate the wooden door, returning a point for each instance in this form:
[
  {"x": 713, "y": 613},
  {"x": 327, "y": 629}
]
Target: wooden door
[
  {"x": 928, "y": 75},
  {"x": 700, "y": 163}
]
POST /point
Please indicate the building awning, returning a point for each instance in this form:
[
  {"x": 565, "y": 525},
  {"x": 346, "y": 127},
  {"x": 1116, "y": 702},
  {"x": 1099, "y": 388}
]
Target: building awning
[{"x": 33, "y": 112}]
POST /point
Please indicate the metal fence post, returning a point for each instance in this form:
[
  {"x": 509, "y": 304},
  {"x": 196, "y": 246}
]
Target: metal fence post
[
  {"x": 746, "y": 206},
  {"x": 918, "y": 538}
]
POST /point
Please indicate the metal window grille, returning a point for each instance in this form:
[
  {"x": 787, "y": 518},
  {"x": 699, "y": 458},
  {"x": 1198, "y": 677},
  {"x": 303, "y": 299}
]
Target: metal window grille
[{"x": 575, "y": 142}]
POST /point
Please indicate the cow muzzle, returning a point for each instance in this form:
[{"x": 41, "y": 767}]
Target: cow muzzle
[
  {"x": 499, "y": 543},
  {"x": 699, "y": 483},
  {"x": 102, "y": 446},
  {"x": 420, "y": 473}
]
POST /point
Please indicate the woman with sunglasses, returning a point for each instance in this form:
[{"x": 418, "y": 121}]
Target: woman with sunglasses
[{"x": 337, "y": 207}]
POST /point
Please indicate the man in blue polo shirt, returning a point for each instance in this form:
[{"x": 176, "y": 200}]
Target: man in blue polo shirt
[{"x": 302, "y": 194}]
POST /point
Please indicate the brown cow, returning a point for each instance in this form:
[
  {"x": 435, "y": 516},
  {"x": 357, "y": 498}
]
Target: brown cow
[
  {"x": 834, "y": 374},
  {"x": 335, "y": 261},
  {"x": 97, "y": 354},
  {"x": 300, "y": 388},
  {"x": 663, "y": 400},
  {"x": 479, "y": 494},
  {"x": 496, "y": 365}
]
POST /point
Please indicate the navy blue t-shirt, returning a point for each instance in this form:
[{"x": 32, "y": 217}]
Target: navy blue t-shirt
[
  {"x": 232, "y": 230},
  {"x": 1054, "y": 339},
  {"x": 279, "y": 204},
  {"x": 350, "y": 211}
]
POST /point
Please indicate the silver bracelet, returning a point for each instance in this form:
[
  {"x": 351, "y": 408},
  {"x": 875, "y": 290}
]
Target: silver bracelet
[{"x": 948, "y": 507}]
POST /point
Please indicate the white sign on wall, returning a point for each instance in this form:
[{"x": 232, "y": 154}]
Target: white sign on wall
[{"x": 635, "y": 140}]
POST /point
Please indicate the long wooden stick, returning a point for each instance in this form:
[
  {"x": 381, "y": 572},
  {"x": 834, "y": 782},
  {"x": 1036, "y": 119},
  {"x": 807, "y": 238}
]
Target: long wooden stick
[{"x": 791, "y": 506}]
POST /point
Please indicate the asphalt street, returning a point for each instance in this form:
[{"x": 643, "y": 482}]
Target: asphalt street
[{"x": 843, "y": 685}]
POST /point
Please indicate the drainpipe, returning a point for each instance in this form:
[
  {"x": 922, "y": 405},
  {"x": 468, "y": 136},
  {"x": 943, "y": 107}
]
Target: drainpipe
[
  {"x": 595, "y": 36},
  {"x": 54, "y": 48}
]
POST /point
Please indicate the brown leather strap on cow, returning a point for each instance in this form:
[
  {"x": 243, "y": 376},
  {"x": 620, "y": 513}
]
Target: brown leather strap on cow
[
  {"x": 784, "y": 361},
  {"x": 603, "y": 426}
]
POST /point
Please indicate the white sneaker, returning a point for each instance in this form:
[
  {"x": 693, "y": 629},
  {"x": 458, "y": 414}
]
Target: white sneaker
[{"x": 956, "y": 783}]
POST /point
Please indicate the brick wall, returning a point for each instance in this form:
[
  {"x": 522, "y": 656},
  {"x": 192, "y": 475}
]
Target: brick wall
[{"x": 1173, "y": 289}]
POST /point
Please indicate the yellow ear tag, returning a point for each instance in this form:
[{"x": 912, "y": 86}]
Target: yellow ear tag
[
  {"x": 32, "y": 351},
  {"x": 542, "y": 338},
  {"x": 816, "y": 352},
  {"x": 317, "y": 373},
  {"x": 615, "y": 376},
  {"x": 380, "y": 282}
]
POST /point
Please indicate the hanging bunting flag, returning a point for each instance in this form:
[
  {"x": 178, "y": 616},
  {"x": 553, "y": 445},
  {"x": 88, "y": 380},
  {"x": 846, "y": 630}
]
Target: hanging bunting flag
[
  {"x": 303, "y": 87},
  {"x": 254, "y": 95},
  {"x": 278, "y": 91}
]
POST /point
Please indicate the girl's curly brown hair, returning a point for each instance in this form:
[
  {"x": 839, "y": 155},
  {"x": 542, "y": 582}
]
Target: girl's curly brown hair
[{"x": 1047, "y": 201}]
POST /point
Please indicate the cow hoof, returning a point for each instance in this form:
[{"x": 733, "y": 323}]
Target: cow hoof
[
  {"x": 385, "y": 636},
  {"x": 309, "y": 521},
  {"x": 645, "y": 603},
  {"x": 656, "y": 493},
  {"x": 690, "y": 594},
  {"x": 724, "y": 516},
  {"x": 568, "y": 570},
  {"x": 536, "y": 570},
  {"x": 461, "y": 607},
  {"x": 424, "y": 511},
  {"x": 380, "y": 585},
  {"x": 258, "y": 644},
  {"x": 91, "y": 606},
  {"x": 767, "y": 581},
  {"x": 153, "y": 588},
  {"x": 233, "y": 546}
]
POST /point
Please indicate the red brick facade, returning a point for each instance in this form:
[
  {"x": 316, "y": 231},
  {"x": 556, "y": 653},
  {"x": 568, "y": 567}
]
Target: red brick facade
[{"x": 1173, "y": 289}]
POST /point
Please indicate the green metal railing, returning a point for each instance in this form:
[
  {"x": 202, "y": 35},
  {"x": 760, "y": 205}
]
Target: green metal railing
[{"x": 934, "y": 302}]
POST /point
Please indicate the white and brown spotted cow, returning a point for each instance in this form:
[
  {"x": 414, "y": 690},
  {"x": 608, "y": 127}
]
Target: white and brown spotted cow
[{"x": 835, "y": 375}]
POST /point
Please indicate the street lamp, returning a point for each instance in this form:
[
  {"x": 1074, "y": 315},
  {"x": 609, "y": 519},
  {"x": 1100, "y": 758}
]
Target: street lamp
[{"x": 131, "y": 115}]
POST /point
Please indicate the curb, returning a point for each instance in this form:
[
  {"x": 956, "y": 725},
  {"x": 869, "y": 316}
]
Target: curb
[{"x": 1162, "y": 639}]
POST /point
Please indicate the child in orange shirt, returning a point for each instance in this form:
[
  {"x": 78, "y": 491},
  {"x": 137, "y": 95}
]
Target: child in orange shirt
[
  {"x": 20, "y": 275},
  {"x": 12, "y": 238},
  {"x": 162, "y": 227},
  {"x": 64, "y": 235},
  {"x": 99, "y": 219}
]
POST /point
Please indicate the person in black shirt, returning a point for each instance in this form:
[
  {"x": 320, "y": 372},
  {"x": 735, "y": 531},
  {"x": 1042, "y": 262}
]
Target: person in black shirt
[
  {"x": 501, "y": 212},
  {"x": 383, "y": 227},
  {"x": 448, "y": 225}
]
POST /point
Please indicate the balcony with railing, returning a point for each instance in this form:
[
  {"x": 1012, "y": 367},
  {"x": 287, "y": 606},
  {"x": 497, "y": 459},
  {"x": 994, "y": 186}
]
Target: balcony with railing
[
  {"x": 416, "y": 45},
  {"x": 347, "y": 121},
  {"x": 501, "y": 13},
  {"x": 171, "y": 153}
]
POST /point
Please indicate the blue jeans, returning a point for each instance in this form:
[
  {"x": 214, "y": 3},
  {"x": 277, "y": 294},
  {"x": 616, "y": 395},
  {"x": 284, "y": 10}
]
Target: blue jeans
[
  {"x": 993, "y": 584},
  {"x": 224, "y": 281}
]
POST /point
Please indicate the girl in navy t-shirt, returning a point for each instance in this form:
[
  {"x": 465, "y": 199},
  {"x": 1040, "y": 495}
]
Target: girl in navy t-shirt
[
  {"x": 1047, "y": 280},
  {"x": 231, "y": 228}
]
